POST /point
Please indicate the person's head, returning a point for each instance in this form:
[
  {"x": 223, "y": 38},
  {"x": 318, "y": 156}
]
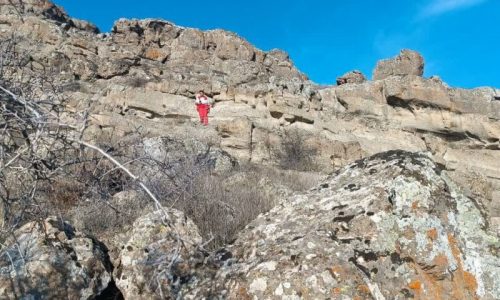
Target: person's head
[{"x": 201, "y": 93}]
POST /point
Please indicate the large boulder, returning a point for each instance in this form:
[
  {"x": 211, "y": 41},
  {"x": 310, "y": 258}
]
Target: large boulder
[
  {"x": 408, "y": 62},
  {"x": 51, "y": 260},
  {"x": 391, "y": 226},
  {"x": 158, "y": 256}
]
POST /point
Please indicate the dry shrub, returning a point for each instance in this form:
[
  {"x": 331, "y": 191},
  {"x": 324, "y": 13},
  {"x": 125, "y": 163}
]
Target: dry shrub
[
  {"x": 101, "y": 217},
  {"x": 294, "y": 153},
  {"x": 83, "y": 192},
  {"x": 64, "y": 193},
  {"x": 223, "y": 204}
]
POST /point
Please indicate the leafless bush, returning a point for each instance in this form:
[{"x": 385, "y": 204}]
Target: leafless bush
[
  {"x": 218, "y": 208},
  {"x": 221, "y": 203},
  {"x": 33, "y": 147},
  {"x": 45, "y": 167},
  {"x": 104, "y": 218},
  {"x": 294, "y": 153},
  {"x": 65, "y": 193}
]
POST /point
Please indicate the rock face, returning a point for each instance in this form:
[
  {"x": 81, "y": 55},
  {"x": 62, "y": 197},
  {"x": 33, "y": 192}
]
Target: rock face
[
  {"x": 408, "y": 62},
  {"x": 50, "y": 260},
  {"x": 140, "y": 78},
  {"x": 417, "y": 114},
  {"x": 391, "y": 226},
  {"x": 351, "y": 77},
  {"x": 48, "y": 10},
  {"x": 173, "y": 59},
  {"x": 157, "y": 258}
]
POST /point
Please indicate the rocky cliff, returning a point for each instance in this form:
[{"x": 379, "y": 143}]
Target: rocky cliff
[
  {"x": 138, "y": 81},
  {"x": 143, "y": 74}
]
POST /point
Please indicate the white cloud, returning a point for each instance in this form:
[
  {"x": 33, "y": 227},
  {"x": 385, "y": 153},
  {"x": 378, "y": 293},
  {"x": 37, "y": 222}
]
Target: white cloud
[{"x": 438, "y": 7}]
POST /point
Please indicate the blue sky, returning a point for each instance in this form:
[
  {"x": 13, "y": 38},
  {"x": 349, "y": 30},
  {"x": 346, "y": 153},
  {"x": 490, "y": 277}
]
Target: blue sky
[{"x": 459, "y": 39}]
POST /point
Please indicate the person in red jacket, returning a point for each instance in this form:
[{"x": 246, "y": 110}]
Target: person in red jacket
[{"x": 203, "y": 104}]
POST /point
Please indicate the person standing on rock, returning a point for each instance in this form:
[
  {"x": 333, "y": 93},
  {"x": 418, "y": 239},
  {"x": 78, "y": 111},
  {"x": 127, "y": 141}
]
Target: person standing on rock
[{"x": 203, "y": 104}]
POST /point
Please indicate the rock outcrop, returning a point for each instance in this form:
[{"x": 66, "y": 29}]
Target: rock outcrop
[
  {"x": 417, "y": 114},
  {"x": 175, "y": 60},
  {"x": 351, "y": 77},
  {"x": 408, "y": 62},
  {"x": 158, "y": 256},
  {"x": 51, "y": 260},
  {"x": 391, "y": 226}
]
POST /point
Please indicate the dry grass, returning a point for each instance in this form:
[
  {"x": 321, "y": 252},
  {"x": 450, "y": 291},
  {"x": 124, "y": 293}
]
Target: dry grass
[{"x": 222, "y": 205}]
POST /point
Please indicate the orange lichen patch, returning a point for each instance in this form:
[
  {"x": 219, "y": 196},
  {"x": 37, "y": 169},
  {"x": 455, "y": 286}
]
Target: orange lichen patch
[
  {"x": 470, "y": 281},
  {"x": 243, "y": 294},
  {"x": 153, "y": 54},
  {"x": 336, "y": 291},
  {"x": 464, "y": 283},
  {"x": 414, "y": 205},
  {"x": 363, "y": 289},
  {"x": 336, "y": 271},
  {"x": 433, "y": 288},
  {"x": 415, "y": 285},
  {"x": 432, "y": 234}
]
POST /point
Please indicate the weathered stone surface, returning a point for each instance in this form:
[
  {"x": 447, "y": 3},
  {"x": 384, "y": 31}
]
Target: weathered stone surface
[
  {"x": 391, "y": 226},
  {"x": 50, "y": 260},
  {"x": 236, "y": 137},
  {"x": 155, "y": 260},
  {"x": 178, "y": 153},
  {"x": 351, "y": 77},
  {"x": 42, "y": 8},
  {"x": 408, "y": 62}
]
